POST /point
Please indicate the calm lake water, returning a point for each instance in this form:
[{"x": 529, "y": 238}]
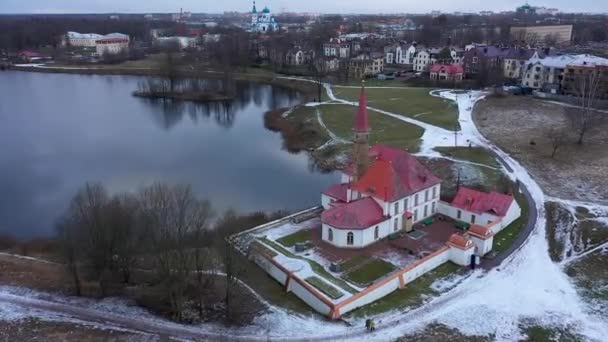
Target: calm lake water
[{"x": 59, "y": 131}]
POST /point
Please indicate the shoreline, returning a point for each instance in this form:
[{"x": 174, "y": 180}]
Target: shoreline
[{"x": 308, "y": 89}]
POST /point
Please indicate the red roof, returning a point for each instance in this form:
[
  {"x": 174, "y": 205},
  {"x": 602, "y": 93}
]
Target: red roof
[
  {"x": 394, "y": 174},
  {"x": 451, "y": 69},
  {"x": 459, "y": 241},
  {"x": 337, "y": 191},
  {"x": 480, "y": 231},
  {"x": 482, "y": 202},
  {"x": 361, "y": 121},
  {"x": 360, "y": 214}
]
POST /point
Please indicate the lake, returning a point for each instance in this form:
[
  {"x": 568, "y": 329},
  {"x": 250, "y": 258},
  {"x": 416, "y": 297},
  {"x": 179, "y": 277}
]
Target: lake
[{"x": 58, "y": 131}]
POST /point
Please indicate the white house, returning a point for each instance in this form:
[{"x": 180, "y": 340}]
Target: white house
[
  {"x": 82, "y": 39},
  {"x": 481, "y": 208}
]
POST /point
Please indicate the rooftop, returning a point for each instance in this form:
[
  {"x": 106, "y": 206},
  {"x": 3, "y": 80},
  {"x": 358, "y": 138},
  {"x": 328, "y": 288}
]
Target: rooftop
[
  {"x": 482, "y": 202},
  {"x": 394, "y": 174},
  {"x": 359, "y": 214}
]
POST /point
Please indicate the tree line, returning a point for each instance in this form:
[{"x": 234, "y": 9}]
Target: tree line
[{"x": 164, "y": 242}]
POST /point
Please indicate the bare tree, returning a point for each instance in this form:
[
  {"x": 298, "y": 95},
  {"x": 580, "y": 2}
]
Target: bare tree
[
  {"x": 66, "y": 232},
  {"x": 558, "y": 138},
  {"x": 171, "y": 215},
  {"x": 588, "y": 89}
]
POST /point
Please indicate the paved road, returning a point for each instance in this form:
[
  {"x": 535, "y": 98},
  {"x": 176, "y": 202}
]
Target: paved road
[{"x": 523, "y": 234}]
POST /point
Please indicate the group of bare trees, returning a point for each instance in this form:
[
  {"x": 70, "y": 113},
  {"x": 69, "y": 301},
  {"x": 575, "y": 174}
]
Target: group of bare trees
[{"x": 162, "y": 236}]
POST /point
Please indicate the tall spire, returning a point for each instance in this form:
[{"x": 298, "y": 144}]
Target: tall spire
[
  {"x": 361, "y": 120},
  {"x": 361, "y": 133},
  {"x": 254, "y": 10}
]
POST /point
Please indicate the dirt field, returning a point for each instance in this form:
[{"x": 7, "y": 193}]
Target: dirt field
[
  {"x": 520, "y": 126},
  {"x": 34, "y": 274},
  {"x": 35, "y": 330}
]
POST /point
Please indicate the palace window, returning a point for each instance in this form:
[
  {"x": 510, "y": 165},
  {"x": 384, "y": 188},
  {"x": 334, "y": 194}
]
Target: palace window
[
  {"x": 426, "y": 195},
  {"x": 426, "y": 208},
  {"x": 396, "y": 208},
  {"x": 415, "y": 215},
  {"x": 434, "y": 192},
  {"x": 459, "y": 214},
  {"x": 350, "y": 238},
  {"x": 405, "y": 204},
  {"x": 472, "y": 218},
  {"x": 330, "y": 235},
  {"x": 416, "y": 200},
  {"x": 376, "y": 233},
  {"x": 433, "y": 207},
  {"x": 396, "y": 224}
]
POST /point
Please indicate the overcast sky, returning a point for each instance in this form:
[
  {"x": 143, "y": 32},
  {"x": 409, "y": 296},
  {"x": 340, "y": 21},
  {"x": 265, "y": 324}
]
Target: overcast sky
[{"x": 323, "y": 6}]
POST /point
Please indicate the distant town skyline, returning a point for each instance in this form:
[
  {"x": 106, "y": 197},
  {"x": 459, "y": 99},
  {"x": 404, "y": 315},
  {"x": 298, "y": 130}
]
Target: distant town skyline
[{"x": 277, "y": 6}]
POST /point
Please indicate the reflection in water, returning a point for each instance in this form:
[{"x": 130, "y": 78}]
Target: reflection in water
[
  {"x": 59, "y": 131},
  {"x": 223, "y": 112}
]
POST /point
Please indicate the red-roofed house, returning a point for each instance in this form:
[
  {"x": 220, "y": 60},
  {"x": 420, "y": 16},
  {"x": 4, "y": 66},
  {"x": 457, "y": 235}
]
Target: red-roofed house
[
  {"x": 482, "y": 208},
  {"x": 392, "y": 194},
  {"x": 447, "y": 72}
]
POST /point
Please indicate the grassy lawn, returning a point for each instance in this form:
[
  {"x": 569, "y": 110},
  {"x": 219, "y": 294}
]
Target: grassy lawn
[
  {"x": 504, "y": 239},
  {"x": 354, "y": 261},
  {"x": 371, "y": 271},
  {"x": 323, "y": 287},
  {"x": 316, "y": 267},
  {"x": 412, "y": 102},
  {"x": 473, "y": 154},
  {"x": 292, "y": 239},
  {"x": 385, "y": 130},
  {"x": 413, "y": 294},
  {"x": 374, "y": 82},
  {"x": 539, "y": 333},
  {"x": 591, "y": 275}
]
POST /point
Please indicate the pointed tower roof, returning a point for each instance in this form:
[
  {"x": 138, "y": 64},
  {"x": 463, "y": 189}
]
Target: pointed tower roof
[
  {"x": 361, "y": 120},
  {"x": 254, "y": 10}
]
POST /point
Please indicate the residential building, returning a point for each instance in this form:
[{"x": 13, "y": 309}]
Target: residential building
[
  {"x": 82, "y": 39},
  {"x": 297, "y": 56},
  {"x": 549, "y": 74},
  {"x": 111, "y": 46},
  {"x": 535, "y": 35},
  {"x": 580, "y": 72},
  {"x": 336, "y": 48},
  {"x": 402, "y": 54},
  {"x": 423, "y": 58},
  {"x": 446, "y": 72},
  {"x": 516, "y": 58},
  {"x": 366, "y": 64},
  {"x": 480, "y": 57}
]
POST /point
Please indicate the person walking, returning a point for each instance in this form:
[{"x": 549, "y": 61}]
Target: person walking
[
  {"x": 367, "y": 324},
  {"x": 372, "y": 325}
]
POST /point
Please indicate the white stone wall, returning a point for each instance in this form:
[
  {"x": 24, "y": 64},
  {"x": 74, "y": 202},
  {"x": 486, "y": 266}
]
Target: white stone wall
[
  {"x": 426, "y": 266},
  {"x": 409, "y": 204},
  {"x": 112, "y": 48},
  {"x": 309, "y": 298},
  {"x": 371, "y": 296},
  {"x": 482, "y": 247},
  {"x": 512, "y": 214},
  {"x": 270, "y": 268},
  {"x": 461, "y": 257}
]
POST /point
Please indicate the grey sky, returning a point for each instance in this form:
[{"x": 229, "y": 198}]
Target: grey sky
[{"x": 323, "y": 6}]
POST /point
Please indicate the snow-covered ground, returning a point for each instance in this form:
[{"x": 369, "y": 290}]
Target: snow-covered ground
[{"x": 527, "y": 285}]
